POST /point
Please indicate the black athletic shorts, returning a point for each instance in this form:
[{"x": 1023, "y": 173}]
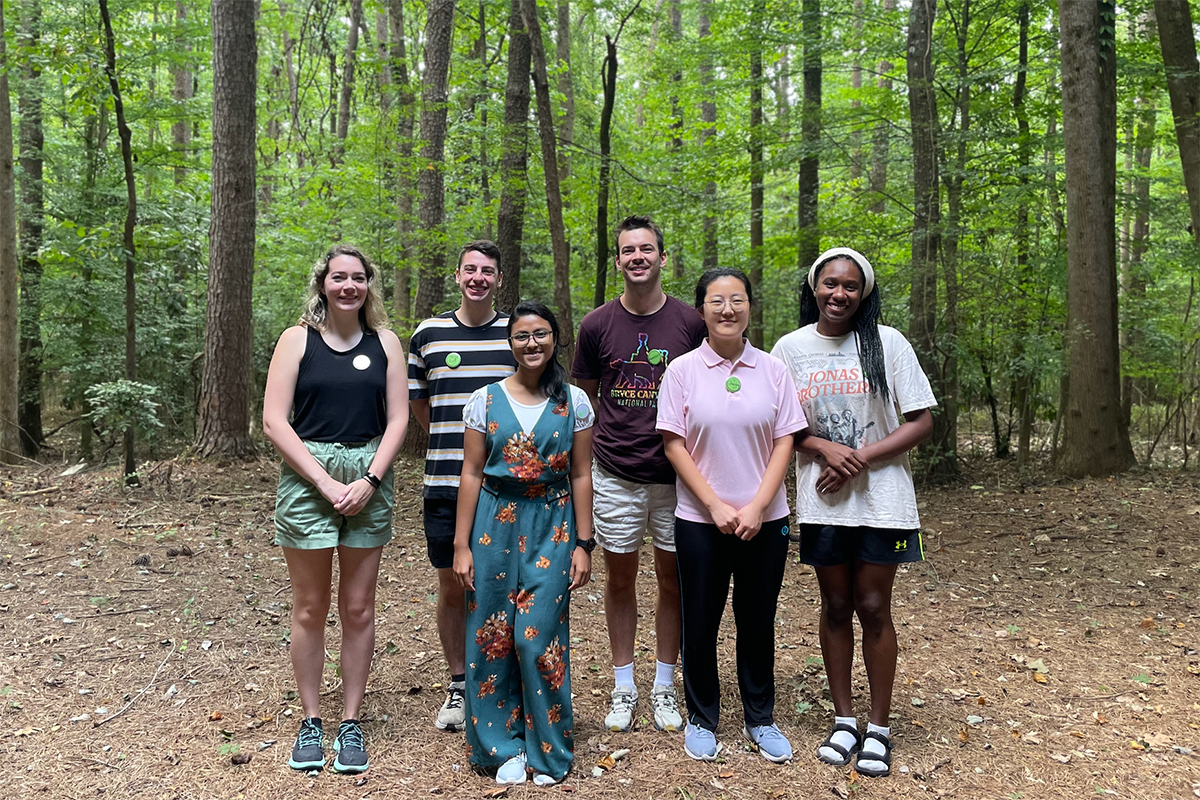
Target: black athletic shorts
[
  {"x": 833, "y": 545},
  {"x": 440, "y": 518}
]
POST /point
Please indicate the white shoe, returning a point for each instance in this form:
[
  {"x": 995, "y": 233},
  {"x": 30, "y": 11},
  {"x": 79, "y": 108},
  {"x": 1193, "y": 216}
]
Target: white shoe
[
  {"x": 620, "y": 715},
  {"x": 512, "y": 771},
  {"x": 452, "y": 716},
  {"x": 666, "y": 708}
]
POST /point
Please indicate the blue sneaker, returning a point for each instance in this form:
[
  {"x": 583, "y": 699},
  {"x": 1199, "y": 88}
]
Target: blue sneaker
[
  {"x": 770, "y": 742},
  {"x": 307, "y": 752},
  {"x": 700, "y": 743},
  {"x": 512, "y": 771},
  {"x": 351, "y": 751}
]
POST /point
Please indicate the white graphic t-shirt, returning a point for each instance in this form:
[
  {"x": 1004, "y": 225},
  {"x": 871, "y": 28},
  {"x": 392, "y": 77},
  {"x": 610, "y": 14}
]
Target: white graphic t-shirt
[{"x": 840, "y": 408}]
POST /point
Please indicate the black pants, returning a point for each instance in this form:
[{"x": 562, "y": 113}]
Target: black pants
[{"x": 707, "y": 560}]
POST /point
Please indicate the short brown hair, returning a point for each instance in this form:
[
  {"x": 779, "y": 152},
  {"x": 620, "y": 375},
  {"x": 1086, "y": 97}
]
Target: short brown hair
[
  {"x": 636, "y": 222},
  {"x": 485, "y": 246}
]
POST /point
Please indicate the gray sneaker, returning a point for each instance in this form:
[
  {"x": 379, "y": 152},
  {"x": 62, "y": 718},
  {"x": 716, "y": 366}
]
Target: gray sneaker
[
  {"x": 666, "y": 708},
  {"x": 620, "y": 715},
  {"x": 452, "y": 715}
]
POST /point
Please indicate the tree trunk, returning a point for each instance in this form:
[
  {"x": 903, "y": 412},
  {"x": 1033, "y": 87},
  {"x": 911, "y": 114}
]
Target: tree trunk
[
  {"x": 1133, "y": 281},
  {"x": 608, "y": 80},
  {"x": 756, "y": 166},
  {"x": 1095, "y": 437},
  {"x": 29, "y": 101},
  {"x": 708, "y": 116},
  {"x": 808, "y": 182},
  {"x": 558, "y": 233},
  {"x": 223, "y": 428},
  {"x": 566, "y": 88},
  {"x": 485, "y": 187},
  {"x": 126, "y": 137},
  {"x": 347, "y": 87},
  {"x": 948, "y": 335},
  {"x": 439, "y": 35},
  {"x": 10, "y": 442},
  {"x": 1023, "y": 383},
  {"x": 405, "y": 102},
  {"x": 510, "y": 221},
  {"x": 926, "y": 232},
  {"x": 181, "y": 129},
  {"x": 1178, "y": 42},
  {"x": 1177, "y": 39},
  {"x": 881, "y": 137},
  {"x": 856, "y": 154},
  {"x": 678, "y": 268}
]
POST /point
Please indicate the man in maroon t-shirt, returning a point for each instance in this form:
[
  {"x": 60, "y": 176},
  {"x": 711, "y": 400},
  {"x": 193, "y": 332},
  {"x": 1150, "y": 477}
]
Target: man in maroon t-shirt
[{"x": 622, "y": 351}]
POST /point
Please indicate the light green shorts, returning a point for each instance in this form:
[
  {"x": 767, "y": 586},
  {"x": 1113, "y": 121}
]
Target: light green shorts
[{"x": 304, "y": 519}]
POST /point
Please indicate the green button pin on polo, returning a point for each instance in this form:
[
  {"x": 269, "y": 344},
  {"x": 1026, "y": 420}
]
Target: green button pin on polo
[
  {"x": 654, "y": 357},
  {"x": 732, "y": 385},
  {"x": 453, "y": 360}
]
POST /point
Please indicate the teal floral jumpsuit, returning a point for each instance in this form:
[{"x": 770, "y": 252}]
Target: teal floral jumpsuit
[{"x": 518, "y": 682}]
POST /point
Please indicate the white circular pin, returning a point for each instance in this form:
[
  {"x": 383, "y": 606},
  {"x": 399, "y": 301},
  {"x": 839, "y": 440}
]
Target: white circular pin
[{"x": 361, "y": 362}]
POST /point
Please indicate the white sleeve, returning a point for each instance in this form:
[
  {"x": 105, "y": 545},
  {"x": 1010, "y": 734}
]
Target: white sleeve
[
  {"x": 910, "y": 385},
  {"x": 475, "y": 410},
  {"x": 585, "y": 416}
]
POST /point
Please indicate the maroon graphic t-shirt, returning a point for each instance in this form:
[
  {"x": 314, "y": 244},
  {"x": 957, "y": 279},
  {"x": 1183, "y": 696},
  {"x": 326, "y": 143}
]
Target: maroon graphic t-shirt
[{"x": 628, "y": 354}]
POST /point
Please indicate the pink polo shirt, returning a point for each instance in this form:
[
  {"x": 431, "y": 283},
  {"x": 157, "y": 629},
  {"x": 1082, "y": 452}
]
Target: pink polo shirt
[{"x": 729, "y": 415}]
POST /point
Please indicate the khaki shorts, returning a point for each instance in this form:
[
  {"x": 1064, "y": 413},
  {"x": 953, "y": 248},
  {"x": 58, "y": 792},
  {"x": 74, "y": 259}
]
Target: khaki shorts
[
  {"x": 305, "y": 520},
  {"x": 623, "y": 512}
]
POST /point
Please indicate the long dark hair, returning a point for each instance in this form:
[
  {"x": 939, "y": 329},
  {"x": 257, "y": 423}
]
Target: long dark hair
[
  {"x": 866, "y": 328},
  {"x": 553, "y": 382}
]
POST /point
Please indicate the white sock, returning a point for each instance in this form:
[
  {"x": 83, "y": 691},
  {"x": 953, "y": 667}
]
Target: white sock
[
  {"x": 623, "y": 676},
  {"x": 664, "y": 674},
  {"x": 872, "y": 746},
  {"x": 840, "y": 738}
]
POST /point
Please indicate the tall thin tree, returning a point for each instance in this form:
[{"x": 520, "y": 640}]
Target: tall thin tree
[
  {"x": 514, "y": 153},
  {"x": 708, "y": 132},
  {"x": 1095, "y": 437},
  {"x": 32, "y": 223},
  {"x": 439, "y": 36},
  {"x": 223, "y": 428},
  {"x": 126, "y": 137},
  {"x": 808, "y": 180},
  {"x": 9, "y": 439}
]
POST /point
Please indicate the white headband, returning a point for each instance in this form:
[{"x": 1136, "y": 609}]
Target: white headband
[{"x": 844, "y": 252}]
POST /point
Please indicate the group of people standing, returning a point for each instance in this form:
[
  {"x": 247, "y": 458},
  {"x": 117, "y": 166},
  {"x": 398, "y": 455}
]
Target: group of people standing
[{"x": 678, "y": 432}]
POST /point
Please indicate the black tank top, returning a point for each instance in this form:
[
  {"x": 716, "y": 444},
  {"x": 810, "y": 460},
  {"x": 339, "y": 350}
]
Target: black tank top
[{"x": 341, "y": 397}]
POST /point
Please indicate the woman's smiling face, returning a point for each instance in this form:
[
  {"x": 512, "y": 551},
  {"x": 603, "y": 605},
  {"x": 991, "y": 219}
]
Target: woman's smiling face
[
  {"x": 839, "y": 294},
  {"x": 532, "y": 342},
  {"x": 726, "y": 308}
]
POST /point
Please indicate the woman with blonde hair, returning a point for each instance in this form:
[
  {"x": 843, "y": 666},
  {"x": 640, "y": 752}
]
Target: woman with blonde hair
[{"x": 336, "y": 409}]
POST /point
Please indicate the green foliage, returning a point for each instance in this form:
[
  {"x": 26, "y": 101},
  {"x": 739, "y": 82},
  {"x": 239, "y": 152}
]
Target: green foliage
[{"x": 120, "y": 405}]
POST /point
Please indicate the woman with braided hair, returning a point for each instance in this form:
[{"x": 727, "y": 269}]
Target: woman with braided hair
[{"x": 867, "y": 403}]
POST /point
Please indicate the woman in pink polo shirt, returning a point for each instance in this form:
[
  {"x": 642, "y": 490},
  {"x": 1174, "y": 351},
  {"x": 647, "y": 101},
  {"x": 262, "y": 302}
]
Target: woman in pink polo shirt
[{"x": 727, "y": 413}]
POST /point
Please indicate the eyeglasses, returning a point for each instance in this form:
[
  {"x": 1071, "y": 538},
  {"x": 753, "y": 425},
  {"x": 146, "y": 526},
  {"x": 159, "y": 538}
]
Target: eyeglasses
[
  {"x": 736, "y": 303},
  {"x": 538, "y": 336}
]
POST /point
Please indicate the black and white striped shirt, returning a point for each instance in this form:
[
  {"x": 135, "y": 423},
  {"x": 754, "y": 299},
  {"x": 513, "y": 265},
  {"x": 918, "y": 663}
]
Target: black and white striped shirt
[{"x": 483, "y": 357}]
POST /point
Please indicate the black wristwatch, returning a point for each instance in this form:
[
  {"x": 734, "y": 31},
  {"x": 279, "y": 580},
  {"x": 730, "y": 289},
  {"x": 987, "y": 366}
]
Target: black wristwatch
[
  {"x": 587, "y": 544},
  {"x": 372, "y": 479}
]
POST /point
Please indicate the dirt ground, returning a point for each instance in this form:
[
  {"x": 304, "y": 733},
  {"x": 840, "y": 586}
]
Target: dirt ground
[{"x": 1048, "y": 649}]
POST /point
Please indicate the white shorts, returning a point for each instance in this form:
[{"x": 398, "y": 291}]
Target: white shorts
[{"x": 623, "y": 512}]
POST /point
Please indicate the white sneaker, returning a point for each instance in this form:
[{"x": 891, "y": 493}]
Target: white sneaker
[
  {"x": 452, "y": 716},
  {"x": 512, "y": 771},
  {"x": 620, "y": 715},
  {"x": 666, "y": 708}
]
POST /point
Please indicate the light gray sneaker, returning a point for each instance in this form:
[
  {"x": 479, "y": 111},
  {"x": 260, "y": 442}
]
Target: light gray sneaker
[
  {"x": 452, "y": 716},
  {"x": 666, "y": 708},
  {"x": 620, "y": 714}
]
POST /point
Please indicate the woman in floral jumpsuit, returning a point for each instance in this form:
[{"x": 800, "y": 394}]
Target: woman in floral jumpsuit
[{"x": 523, "y": 543}]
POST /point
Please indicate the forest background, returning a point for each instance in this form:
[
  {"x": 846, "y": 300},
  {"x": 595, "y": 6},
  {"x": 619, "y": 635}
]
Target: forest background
[{"x": 178, "y": 167}]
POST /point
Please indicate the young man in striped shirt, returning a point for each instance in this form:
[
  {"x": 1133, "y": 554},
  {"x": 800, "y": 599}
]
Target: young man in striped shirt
[{"x": 449, "y": 357}]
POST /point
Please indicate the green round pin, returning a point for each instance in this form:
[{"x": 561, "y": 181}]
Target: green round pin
[
  {"x": 453, "y": 360},
  {"x": 654, "y": 356},
  {"x": 733, "y": 384}
]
